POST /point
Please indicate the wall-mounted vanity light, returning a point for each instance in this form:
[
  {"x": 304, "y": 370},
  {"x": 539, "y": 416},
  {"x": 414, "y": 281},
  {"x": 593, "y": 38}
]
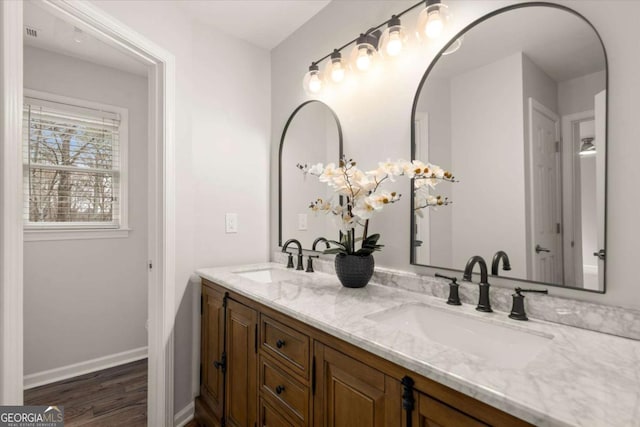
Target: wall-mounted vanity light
[
  {"x": 312, "y": 82},
  {"x": 588, "y": 148},
  {"x": 371, "y": 45},
  {"x": 457, "y": 44},
  {"x": 365, "y": 54},
  {"x": 336, "y": 69},
  {"x": 394, "y": 39},
  {"x": 432, "y": 20}
]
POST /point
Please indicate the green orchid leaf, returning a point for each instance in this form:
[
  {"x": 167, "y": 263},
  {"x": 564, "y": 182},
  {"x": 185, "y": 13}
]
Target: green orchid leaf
[{"x": 334, "y": 251}]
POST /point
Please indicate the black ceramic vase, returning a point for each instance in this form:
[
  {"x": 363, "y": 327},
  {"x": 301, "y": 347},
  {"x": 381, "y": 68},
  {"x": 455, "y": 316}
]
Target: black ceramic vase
[{"x": 354, "y": 271}]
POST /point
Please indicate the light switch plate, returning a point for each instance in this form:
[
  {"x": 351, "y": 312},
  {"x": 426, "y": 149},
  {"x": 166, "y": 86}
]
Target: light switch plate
[
  {"x": 302, "y": 222},
  {"x": 231, "y": 222}
]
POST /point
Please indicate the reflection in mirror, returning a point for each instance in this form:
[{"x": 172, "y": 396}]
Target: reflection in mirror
[
  {"x": 520, "y": 115},
  {"x": 312, "y": 134}
]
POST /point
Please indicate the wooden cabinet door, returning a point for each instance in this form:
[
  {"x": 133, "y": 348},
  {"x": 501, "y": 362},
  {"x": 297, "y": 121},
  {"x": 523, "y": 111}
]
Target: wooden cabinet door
[
  {"x": 272, "y": 417},
  {"x": 242, "y": 365},
  {"x": 349, "y": 393},
  {"x": 212, "y": 340},
  {"x": 433, "y": 413}
]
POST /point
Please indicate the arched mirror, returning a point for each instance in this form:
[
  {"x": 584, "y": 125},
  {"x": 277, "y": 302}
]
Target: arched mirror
[
  {"x": 312, "y": 135},
  {"x": 516, "y": 106}
]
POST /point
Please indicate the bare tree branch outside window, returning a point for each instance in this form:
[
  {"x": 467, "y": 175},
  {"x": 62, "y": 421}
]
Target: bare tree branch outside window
[{"x": 72, "y": 168}]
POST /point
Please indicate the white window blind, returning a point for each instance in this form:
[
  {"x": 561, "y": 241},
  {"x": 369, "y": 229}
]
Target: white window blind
[{"x": 72, "y": 166}]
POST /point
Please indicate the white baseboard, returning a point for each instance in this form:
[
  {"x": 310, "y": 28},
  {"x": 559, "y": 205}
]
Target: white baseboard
[
  {"x": 184, "y": 415},
  {"x": 70, "y": 371}
]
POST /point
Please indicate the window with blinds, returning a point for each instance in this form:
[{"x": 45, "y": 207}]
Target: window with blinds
[{"x": 72, "y": 166}]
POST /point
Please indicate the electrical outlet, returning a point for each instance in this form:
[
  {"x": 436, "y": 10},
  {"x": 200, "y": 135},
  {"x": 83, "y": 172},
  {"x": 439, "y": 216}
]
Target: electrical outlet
[
  {"x": 231, "y": 222},
  {"x": 302, "y": 222}
]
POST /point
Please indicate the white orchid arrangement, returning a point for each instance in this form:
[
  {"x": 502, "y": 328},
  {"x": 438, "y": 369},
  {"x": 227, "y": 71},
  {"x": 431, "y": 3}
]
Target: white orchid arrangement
[{"x": 361, "y": 196}]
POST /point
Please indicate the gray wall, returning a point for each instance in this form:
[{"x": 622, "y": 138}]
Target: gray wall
[
  {"x": 376, "y": 117},
  {"x": 85, "y": 299}
]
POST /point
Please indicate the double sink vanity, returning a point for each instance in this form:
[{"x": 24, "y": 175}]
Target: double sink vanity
[
  {"x": 303, "y": 350},
  {"x": 524, "y": 129}
]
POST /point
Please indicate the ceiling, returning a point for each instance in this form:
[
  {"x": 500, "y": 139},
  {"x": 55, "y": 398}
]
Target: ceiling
[
  {"x": 57, "y": 35},
  {"x": 264, "y": 23},
  {"x": 563, "y": 45}
]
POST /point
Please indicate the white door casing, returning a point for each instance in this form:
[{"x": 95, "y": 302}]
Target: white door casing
[
  {"x": 545, "y": 214},
  {"x": 571, "y": 200},
  {"x": 11, "y": 293},
  {"x": 601, "y": 150},
  {"x": 161, "y": 220}
]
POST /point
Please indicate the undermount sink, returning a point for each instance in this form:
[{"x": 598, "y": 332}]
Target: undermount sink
[
  {"x": 501, "y": 346},
  {"x": 267, "y": 275}
]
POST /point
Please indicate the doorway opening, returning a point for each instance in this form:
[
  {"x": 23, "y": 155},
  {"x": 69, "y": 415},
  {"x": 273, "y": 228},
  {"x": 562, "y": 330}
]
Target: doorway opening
[{"x": 88, "y": 21}]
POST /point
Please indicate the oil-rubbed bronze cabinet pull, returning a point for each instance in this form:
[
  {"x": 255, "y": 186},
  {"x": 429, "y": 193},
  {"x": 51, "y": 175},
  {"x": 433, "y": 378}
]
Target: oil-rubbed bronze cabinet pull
[
  {"x": 279, "y": 389},
  {"x": 280, "y": 343}
]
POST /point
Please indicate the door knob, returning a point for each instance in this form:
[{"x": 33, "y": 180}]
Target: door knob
[
  {"x": 600, "y": 254},
  {"x": 280, "y": 343},
  {"x": 541, "y": 249},
  {"x": 279, "y": 389}
]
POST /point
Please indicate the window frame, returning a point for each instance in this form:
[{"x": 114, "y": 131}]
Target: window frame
[{"x": 34, "y": 231}]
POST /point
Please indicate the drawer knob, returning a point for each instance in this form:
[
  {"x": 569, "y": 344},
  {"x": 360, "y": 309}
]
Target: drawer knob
[
  {"x": 279, "y": 389},
  {"x": 280, "y": 343}
]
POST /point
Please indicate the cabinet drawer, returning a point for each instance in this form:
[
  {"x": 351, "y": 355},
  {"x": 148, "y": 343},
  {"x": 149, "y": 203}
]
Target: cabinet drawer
[
  {"x": 286, "y": 345},
  {"x": 271, "y": 417},
  {"x": 284, "y": 390}
]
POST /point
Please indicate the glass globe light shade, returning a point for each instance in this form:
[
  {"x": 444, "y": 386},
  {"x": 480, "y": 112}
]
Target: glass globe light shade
[
  {"x": 393, "y": 39},
  {"x": 312, "y": 81},
  {"x": 336, "y": 68},
  {"x": 364, "y": 55},
  {"x": 432, "y": 20},
  {"x": 457, "y": 44}
]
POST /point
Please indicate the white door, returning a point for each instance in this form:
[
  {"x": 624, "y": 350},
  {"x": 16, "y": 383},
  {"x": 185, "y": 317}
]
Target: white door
[
  {"x": 545, "y": 214},
  {"x": 422, "y": 245}
]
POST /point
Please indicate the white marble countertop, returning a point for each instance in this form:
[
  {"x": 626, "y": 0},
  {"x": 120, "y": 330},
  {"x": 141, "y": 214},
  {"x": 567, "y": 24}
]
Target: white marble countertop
[{"x": 581, "y": 378}]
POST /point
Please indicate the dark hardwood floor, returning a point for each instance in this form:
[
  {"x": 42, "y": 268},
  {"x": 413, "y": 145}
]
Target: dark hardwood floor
[{"x": 109, "y": 398}]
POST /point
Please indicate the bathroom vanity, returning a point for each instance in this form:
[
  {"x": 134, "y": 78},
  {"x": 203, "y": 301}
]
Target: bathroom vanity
[{"x": 282, "y": 347}]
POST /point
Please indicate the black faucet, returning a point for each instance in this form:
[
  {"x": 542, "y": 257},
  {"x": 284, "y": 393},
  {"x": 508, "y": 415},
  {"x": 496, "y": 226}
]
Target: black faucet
[
  {"x": 310, "y": 263},
  {"x": 484, "y": 303},
  {"x": 454, "y": 296},
  {"x": 495, "y": 264},
  {"x": 320, "y": 240},
  {"x": 290, "y": 260},
  {"x": 313, "y": 248},
  {"x": 517, "y": 311}
]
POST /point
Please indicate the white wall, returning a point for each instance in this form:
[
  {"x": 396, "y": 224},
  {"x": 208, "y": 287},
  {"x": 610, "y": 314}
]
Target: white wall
[
  {"x": 85, "y": 299},
  {"x": 576, "y": 95},
  {"x": 222, "y": 155},
  {"x": 487, "y": 147},
  {"x": 377, "y": 112}
]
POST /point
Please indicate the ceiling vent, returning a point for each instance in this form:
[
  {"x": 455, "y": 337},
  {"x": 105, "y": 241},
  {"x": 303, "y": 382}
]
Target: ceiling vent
[{"x": 31, "y": 32}]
